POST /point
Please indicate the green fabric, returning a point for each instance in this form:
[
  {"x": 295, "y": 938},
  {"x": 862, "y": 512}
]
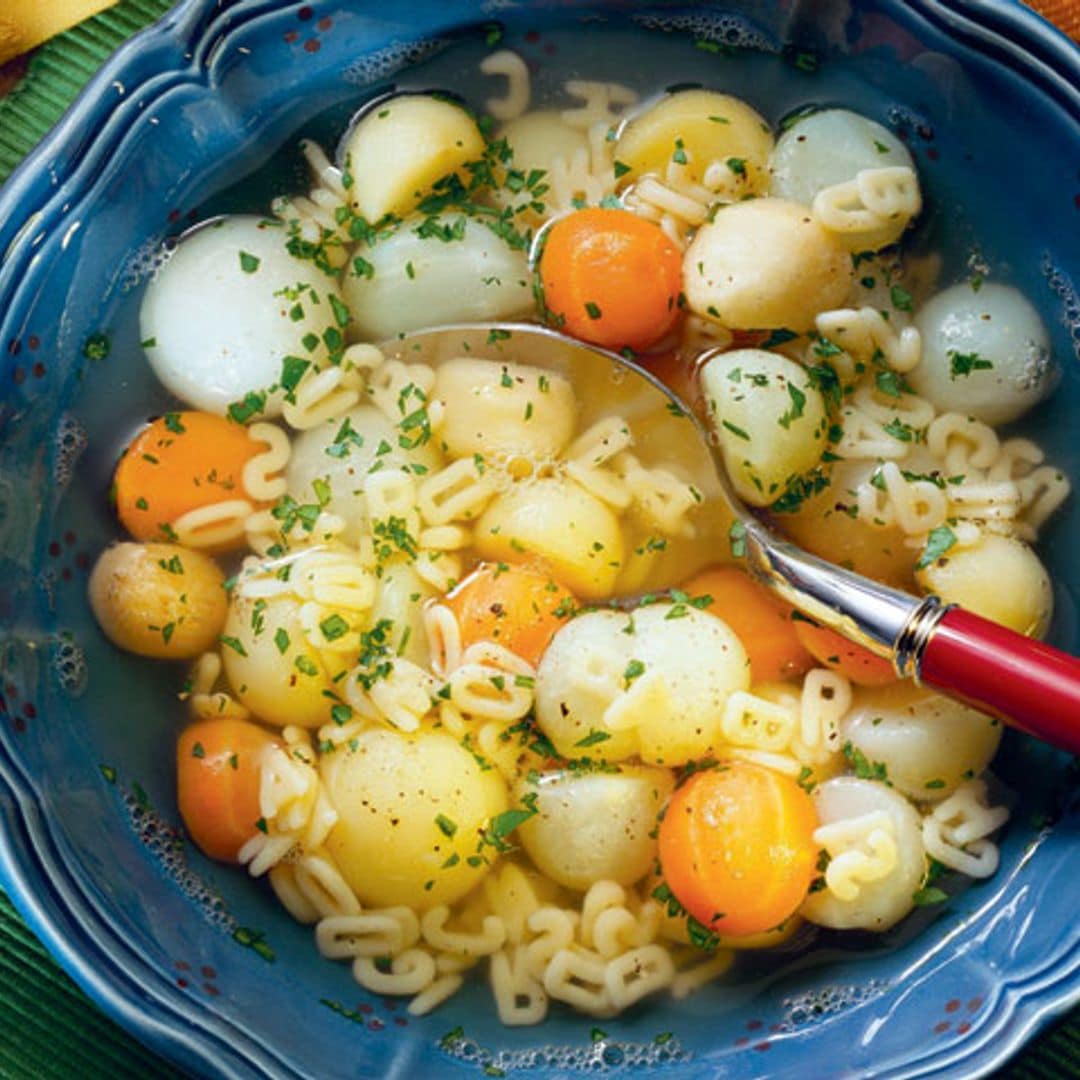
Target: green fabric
[
  {"x": 49, "y": 1029},
  {"x": 59, "y": 70}
]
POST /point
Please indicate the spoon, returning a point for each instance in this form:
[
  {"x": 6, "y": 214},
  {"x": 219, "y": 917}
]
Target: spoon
[{"x": 1033, "y": 686}]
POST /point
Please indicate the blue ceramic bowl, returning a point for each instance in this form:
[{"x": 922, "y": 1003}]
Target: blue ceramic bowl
[{"x": 194, "y": 958}]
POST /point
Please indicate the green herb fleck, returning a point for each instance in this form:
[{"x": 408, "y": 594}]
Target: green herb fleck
[{"x": 938, "y": 541}]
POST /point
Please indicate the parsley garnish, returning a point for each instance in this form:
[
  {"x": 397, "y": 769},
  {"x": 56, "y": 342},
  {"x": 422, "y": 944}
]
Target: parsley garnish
[
  {"x": 938, "y": 541},
  {"x": 965, "y": 363}
]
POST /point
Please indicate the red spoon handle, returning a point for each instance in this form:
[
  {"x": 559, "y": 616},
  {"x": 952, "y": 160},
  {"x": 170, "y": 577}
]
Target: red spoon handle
[{"x": 1034, "y": 686}]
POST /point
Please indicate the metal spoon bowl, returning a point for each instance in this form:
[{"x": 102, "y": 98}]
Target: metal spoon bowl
[{"x": 1030, "y": 684}]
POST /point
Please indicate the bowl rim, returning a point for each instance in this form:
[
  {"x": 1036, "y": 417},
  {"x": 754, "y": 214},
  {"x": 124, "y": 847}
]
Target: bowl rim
[{"x": 33, "y": 871}]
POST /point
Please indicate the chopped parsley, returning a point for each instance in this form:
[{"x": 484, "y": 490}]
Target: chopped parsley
[
  {"x": 961, "y": 364},
  {"x": 446, "y": 826},
  {"x": 901, "y": 298},
  {"x": 798, "y": 403},
  {"x": 938, "y": 541},
  {"x": 862, "y": 766},
  {"x": 592, "y": 739}
]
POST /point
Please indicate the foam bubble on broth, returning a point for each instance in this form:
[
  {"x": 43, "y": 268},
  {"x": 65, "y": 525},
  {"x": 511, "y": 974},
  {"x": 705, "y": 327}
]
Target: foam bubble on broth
[
  {"x": 145, "y": 263},
  {"x": 69, "y": 441},
  {"x": 727, "y": 30},
  {"x": 813, "y": 1006},
  {"x": 1062, "y": 287},
  {"x": 601, "y": 1056},
  {"x": 386, "y": 62},
  {"x": 68, "y": 662},
  {"x": 168, "y": 849}
]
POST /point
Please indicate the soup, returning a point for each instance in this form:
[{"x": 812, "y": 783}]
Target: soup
[{"x": 477, "y": 678}]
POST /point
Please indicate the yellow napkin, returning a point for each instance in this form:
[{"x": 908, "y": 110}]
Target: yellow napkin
[{"x": 26, "y": 23}]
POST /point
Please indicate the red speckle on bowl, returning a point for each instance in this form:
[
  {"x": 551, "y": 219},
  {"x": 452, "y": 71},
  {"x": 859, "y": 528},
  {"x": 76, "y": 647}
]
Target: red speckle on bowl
[
  {"x": 532, "y": 36},
  {"x": 208, "y": 972},
  {"x": 375, "y": 1025},
  {"x": 953, "y": 1005},
  {"x": 325, "y": 24},
  {"x": 19, "y": 724},
  {"x": 66, "y": 573},
  {"x": 754, "y": 1025},
  {"x": 38, "y": 370},
  {"x": 304, "y": 14},
  {"x": 366, "y": 1008},
  {"x": 69, "y": 538},
  {"x": 963, "y": 1028},
  {"x": 29, "y": 711},
  {"x": 54, "y": 549},
  {"x": 33, "y": 342},
  {"x": 401, "y": 1021},
  {"x": 312, "y": 45},
  {"x": 174, "y": 215},
  {"x": 18, "y": 376},
  {"x": 182, "y": 965},
  {"x": 762, "y": 1045},
  {"x": 940, "y": 1029},
  {"x": 211, "y": 989},
  {"x": 82, "y": 560},
  {"x": 291, "y": 36},
  {"x": 182, "y": 983},
  {"x": 932, "y": 154},
  {"x": 742, "y": 1040},
  {"x": 974, "y": 1004}
]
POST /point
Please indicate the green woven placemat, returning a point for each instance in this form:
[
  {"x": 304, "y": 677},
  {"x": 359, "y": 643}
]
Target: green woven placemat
[
  {"x": 49, "y": 1029},
  {"x": 59, "y": 70}
]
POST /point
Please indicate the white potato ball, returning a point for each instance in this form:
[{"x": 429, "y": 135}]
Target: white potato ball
[
  {"x": 1000, "y": 578},
  {"x": 539, "y": 139},
  {"x": 270, "y": 666},
  {"x": 504, "y": 409},
  {"x": 595, "y": 826},
  {"x": 342, "y": 453},
  {"x": 765, "y": 264},
  {"x": 769, "y": 418},
  {"x": 581, "y": 673},
  {"x": 929, "y": 744},
  {"x": 882, "y": 903},
  {"x": 399, "y": 598},
  {"x": 652, "y": 682},
  {"x": 575, "y": 535},
  {"x": 985, "y": 353},
  {"x": 830, "y": 147},
  {"x": 226, "y": 310},
  {"x": 401, "y": 146},
  {"x": 410, "y": 281},
  {"x": 824, "y": 525},
  {"x": 701, "y": 663},
  {"x": 158, "y": 600},
  {"x": 698, "y": 128},
  {"x": 411, "y": 814}
]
